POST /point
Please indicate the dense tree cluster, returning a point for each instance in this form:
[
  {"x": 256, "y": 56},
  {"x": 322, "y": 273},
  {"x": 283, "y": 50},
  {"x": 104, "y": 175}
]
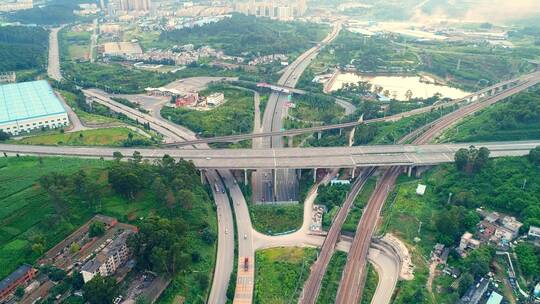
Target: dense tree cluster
[
  {"x": 4, "y": 136},
  {"x": 534, "y": 156},
  {"x": 472, "y": 160},
  {"x": 477, "y": 263},
  {"x": 317, "y": 107},
  {"x": 97, "y": 228},
  {"x": 80, "y": 99},
  {"x": 101, "y": 290},
  {"x": 23, "y": 48},
  {"x": 369, "y": 54},
  {"x": 161, "y": 246},
  {"x": 332, "y": 195},
  {"x": 528, "y": 257},
  {"x": 452, "y": 221},
  {"x": 60, "y": 186},
  {"x": 242, "y": 34},
  {"x": 523, "y": 109},
  {"x": 516, "y": 119},
  {"x": 114, "y": 78},
  {"x": 510, "y": 185}
]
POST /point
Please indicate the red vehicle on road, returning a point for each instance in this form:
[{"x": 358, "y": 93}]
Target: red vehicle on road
[{"x": 246, "y": 264}]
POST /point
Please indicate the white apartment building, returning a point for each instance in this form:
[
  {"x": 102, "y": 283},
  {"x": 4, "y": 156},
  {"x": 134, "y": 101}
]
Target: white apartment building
[{"x": 110, "y": 259}]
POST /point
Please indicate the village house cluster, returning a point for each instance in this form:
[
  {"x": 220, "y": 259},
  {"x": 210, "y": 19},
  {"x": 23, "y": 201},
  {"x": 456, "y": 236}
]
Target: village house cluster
[{"x": 105, "y": 254}]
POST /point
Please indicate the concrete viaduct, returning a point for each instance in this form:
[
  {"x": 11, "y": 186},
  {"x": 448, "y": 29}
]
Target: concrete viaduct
[{"x": 291, "y": 158}]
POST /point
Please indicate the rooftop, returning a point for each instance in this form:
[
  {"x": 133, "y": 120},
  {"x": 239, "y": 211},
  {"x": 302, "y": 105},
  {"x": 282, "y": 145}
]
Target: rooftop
[
  {"x": 27, "y": 100},
  {"x": 534, "y": 230},
  {"x": 14, "y": 276},
  {"x": 495, "y": 298}
]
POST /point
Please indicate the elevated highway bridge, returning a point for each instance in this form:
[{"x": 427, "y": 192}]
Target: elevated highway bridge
[{"x": 291, "y": 158}]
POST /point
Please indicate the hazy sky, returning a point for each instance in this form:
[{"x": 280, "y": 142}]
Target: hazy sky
[
  {"x": 486, "y": 10},
  {"x": 502, "y": 10}
]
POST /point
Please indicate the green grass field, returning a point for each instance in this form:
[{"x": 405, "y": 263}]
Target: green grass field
[
  {"x": 27, "y": 212},
  {"x": 331, "y": 278},
  {"x": 277, "y": 219},
  {"x": 281, "y": 273},
  {"x": 85, "y": 117},
  {"x": 147, "y": 40},
  {"x": 356, "y": 210},
  {"x": 235, "y": 116},
  {"x": 403, "y": 213},
  {"x": 371, "y": 284},
  {"x": 78, "y": 44},
  {"x": 96, "y": 137}
]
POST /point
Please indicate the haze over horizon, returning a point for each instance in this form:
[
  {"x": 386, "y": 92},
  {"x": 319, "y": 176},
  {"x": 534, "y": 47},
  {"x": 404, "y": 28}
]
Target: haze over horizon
[{"x": 477, "y": 10}]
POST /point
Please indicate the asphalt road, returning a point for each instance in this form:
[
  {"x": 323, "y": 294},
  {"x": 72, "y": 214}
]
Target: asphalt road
[
  {"x": 224, "y": 256},
  {"x": 282, "y": 185},
  {"x": 53, "y": 68},
  {"x": 295, "y": 158},
  {"x": 245, "y": 280}
]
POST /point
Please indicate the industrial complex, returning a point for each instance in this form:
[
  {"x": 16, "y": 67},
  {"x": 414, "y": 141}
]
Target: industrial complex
[{"x": 30, "y": 106}]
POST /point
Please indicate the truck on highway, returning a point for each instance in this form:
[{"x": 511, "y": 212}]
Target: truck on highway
[
  {"x": 217, "y": 188},
  {"x": 246, "y": 264}
]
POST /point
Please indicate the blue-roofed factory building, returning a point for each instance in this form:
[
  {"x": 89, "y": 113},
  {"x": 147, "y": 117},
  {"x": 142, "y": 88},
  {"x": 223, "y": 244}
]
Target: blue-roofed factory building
[{"x": 30, "y": 106}]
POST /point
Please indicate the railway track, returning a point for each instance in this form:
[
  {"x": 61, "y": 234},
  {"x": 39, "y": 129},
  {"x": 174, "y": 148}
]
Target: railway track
[
  {"x": 314, "y": 281},
  {"x": 353, "y": 278}
]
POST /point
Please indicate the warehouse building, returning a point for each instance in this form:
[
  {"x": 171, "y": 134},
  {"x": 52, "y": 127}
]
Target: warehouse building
[{"x": 30, "y": 106}]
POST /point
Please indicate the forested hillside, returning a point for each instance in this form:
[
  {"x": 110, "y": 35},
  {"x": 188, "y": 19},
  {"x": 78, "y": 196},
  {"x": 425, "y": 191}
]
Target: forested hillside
[
  {"x": 247, "y": 34},
  {"x": 23, "y": 48},
  {"x": 516, "y": 119},
  {"x": 55, "y": 13}
]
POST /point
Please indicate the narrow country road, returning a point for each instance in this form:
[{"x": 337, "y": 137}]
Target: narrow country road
[{"x": 53, "y": 68}]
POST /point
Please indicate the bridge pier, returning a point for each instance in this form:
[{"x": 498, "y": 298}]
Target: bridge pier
[
  {"x": 340, "y": 131},
  {"x": 203, "y": 180},
  {"x": 245, "y": 177},
  {"x": 353, "y": 172},
  {"x": 420, "y": 170},
  {"x": 290, "y": 142},
  {"x": 319, "y": 135},
  {"x": 274, "y": 175},
  {"x": 314, "y": 175},
  {"x": 409, "y": 171}
]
